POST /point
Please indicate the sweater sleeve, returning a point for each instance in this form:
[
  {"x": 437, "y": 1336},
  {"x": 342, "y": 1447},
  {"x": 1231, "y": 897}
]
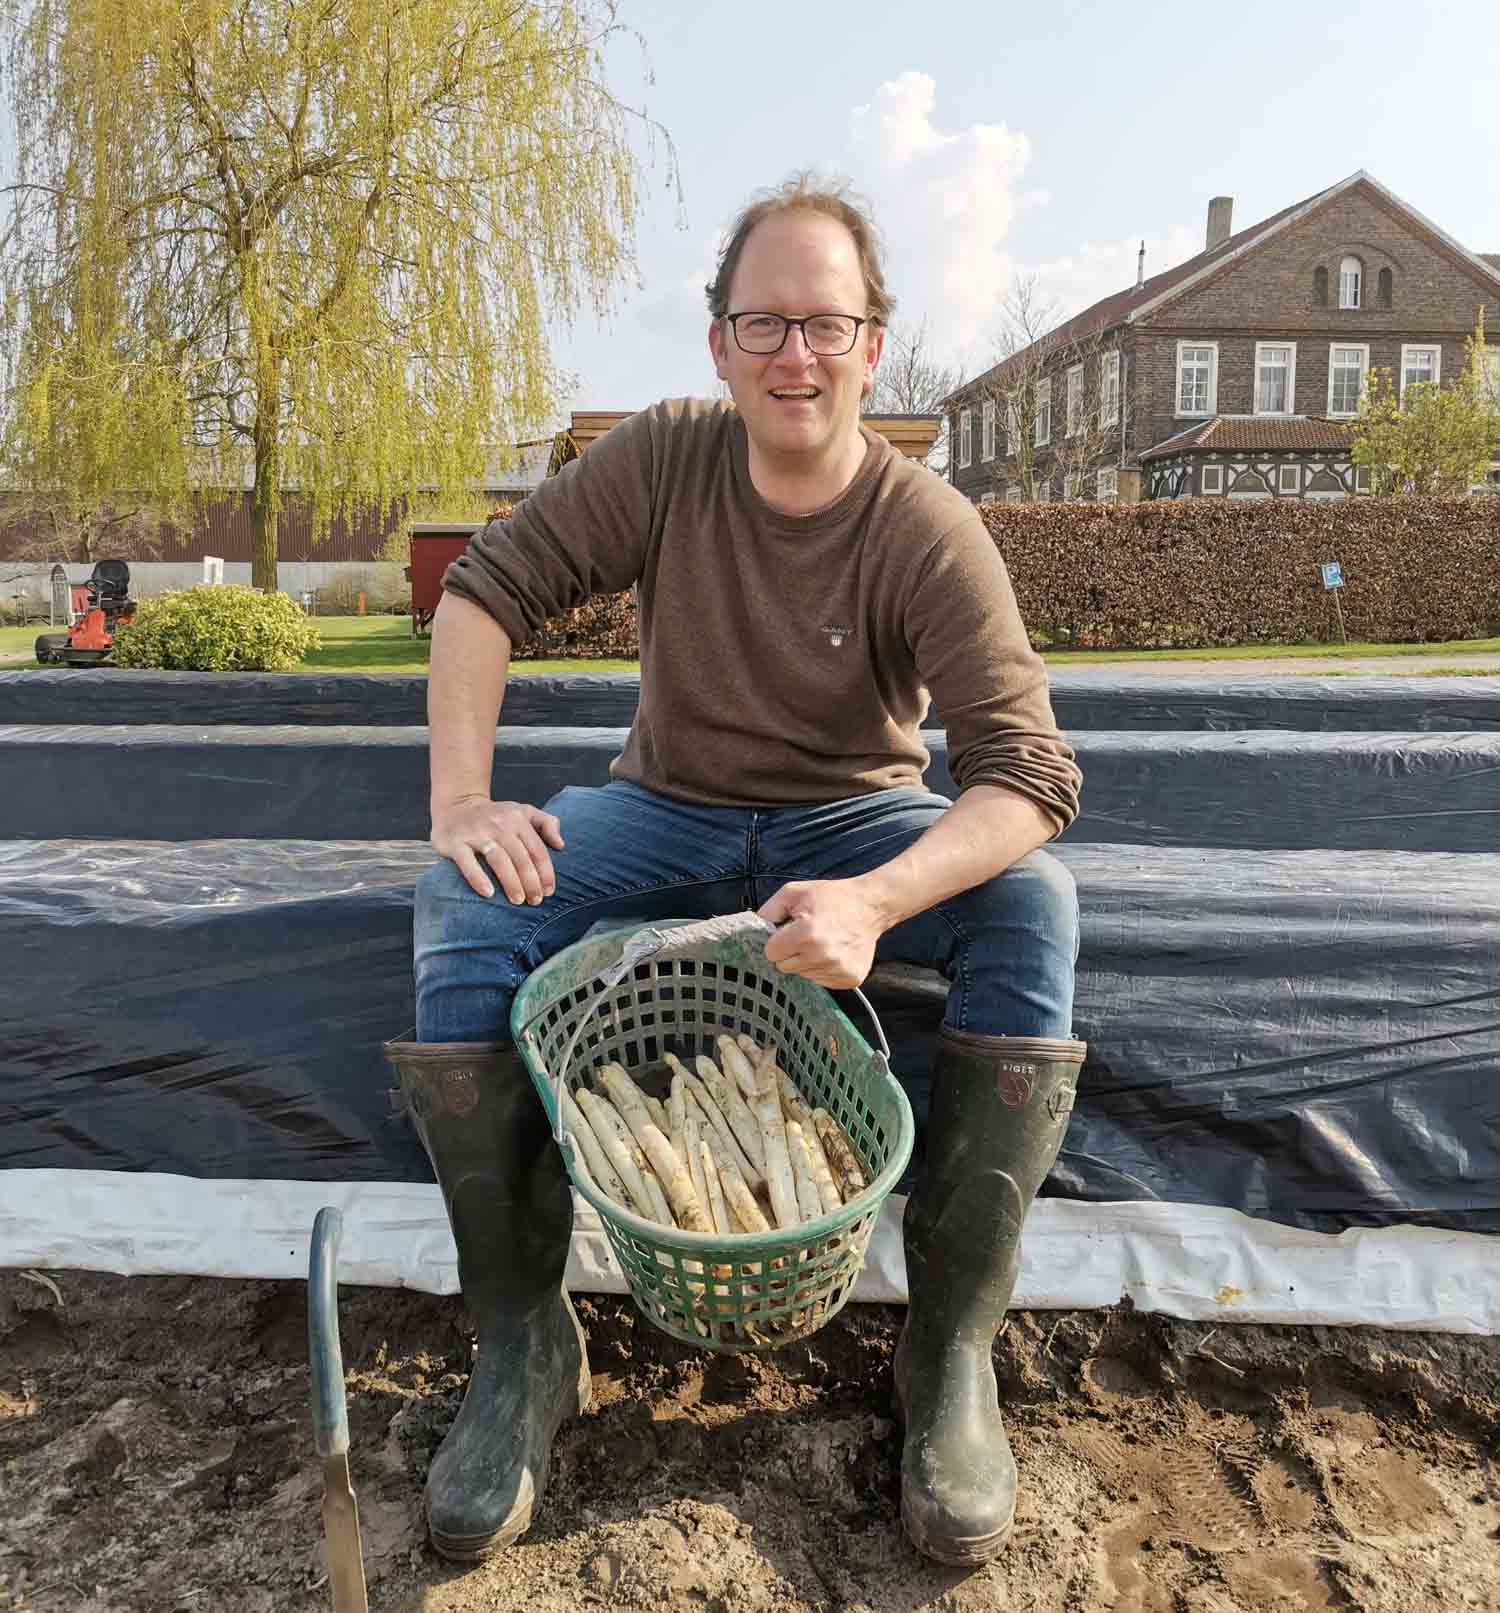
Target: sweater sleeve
[
  {"x": 582, "y": 532},
  {"x": 988, "y": 685}
]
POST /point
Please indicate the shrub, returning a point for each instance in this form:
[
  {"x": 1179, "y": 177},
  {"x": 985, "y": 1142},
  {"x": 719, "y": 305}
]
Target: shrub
[{"x": 225, "y": 629}]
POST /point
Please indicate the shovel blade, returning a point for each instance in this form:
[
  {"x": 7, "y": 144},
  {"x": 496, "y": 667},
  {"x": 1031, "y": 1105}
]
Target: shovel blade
[{"x": 346, "y": 1569}]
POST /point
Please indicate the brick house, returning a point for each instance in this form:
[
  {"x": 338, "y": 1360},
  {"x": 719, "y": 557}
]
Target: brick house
[{"x": 1235, "y": 374}]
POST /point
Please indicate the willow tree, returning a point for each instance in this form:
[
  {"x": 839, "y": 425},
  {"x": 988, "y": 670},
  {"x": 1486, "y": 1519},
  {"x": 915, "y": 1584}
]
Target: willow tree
[{"x": 309, "y": 243}]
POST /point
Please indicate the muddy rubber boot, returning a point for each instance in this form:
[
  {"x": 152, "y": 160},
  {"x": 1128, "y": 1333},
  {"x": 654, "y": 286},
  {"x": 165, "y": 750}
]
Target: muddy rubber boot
[
  {"x": 511, "y": 1211},
  {"x": 1000, "y": 1106}
]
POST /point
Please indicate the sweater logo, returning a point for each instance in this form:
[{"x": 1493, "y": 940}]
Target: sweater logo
[{"x": 835, "y": 633}]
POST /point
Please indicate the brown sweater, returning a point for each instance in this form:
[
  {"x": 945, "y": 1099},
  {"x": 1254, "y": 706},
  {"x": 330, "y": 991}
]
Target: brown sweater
[{"x": 783, "y": 658}]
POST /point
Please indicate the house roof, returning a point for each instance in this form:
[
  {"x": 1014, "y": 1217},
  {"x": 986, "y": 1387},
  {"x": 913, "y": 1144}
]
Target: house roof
[
  {"x": 1256, "y": 434},
  {"x": 1124, "y": 307}
]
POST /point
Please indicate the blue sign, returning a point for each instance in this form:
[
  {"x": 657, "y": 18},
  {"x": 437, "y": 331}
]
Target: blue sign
[{"x": 1333, "y": 574}]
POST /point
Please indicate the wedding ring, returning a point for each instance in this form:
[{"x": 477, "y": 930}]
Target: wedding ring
[{"x": 486, "y": 848}]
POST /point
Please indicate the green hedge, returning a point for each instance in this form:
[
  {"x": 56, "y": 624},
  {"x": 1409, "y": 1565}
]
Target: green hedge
[
  {"x": 221, "y": 629},
  {"x": 1199, "y": 572},
  {"x": 1196, "y": 572}
]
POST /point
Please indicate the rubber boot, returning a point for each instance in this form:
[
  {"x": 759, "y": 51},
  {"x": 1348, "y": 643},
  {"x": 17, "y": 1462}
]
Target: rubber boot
[
  {"x": 509, "y": 1205},
  {"x": 1000, "y": 1106}
]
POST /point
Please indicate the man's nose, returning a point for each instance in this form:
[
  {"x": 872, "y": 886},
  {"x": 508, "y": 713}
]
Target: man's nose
[{"x": 795, "y": 349}]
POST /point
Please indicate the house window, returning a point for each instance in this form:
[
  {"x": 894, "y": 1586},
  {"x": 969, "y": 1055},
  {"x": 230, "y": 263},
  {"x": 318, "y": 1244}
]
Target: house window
[
  {"x": 1350, "y": 275},
  {"x": 1041, "y": 426},
  {"x": 1384, "y": 292},
  {"x": 1289, "y": 479},
  {"x": 1275, "y": 376},
  {"x": 1109, "y": 389},
  {"x": 1075, "y": 399},
  {"x": 1044, "y": 492},
  {"x": 1012, "y": 425},
  {"x": 1072, "y": 486},
  {"x": 1106, "y": 483},
  {"x": 1362, "y": 479},
  {"x": 1197, "y": 377},
  {"x": 1213, "y": 478},
  {"x": 1420, "y": 365},
  {"x": 1346, "y": 378},
  {"x": 987, "y": 430},
  {"x": 965, "y": 438},
  {"x": 1320, "y": 287},
  {"x": 1013, "y": 494}
]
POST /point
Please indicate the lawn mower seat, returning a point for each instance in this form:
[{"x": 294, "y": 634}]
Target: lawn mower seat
[{"x": 110, "y": 583}]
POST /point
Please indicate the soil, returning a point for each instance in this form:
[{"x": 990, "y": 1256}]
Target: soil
[{"x": 156, "y": 1457}]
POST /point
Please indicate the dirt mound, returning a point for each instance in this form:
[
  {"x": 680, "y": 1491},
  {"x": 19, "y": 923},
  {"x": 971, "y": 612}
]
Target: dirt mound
[{"x": 155, "y": 1457}]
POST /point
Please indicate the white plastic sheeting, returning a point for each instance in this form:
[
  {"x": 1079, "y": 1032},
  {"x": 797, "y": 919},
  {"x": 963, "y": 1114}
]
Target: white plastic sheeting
[{"x": 1192, "y": 1261}]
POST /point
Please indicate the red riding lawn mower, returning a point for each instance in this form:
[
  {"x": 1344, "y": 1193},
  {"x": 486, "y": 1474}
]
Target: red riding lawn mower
[{"x": 99, "y": 606}]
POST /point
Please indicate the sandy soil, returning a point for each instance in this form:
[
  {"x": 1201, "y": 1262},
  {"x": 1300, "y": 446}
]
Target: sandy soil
[{"x": 155, "y": 1457}]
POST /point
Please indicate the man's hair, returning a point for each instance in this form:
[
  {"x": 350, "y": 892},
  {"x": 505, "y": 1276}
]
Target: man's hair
[{"x": 804, "y": 192}]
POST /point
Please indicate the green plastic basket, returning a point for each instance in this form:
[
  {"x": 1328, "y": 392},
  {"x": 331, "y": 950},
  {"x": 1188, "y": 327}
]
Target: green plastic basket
[{"x": 748, "y": 1292}]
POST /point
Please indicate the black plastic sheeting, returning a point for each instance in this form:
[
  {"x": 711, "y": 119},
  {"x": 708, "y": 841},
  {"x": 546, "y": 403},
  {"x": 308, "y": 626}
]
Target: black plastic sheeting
[
  {"x": 1308, "y": 1037},
  {"x": 1083, "y": 698},
  {"x": 1254, "y": 789}
]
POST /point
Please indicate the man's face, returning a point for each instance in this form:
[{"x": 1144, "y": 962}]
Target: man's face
[{"x": 796, "y": 403}]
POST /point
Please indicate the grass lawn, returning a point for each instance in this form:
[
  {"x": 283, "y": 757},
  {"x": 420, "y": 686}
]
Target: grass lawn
[{"x": 385, "y": 644}]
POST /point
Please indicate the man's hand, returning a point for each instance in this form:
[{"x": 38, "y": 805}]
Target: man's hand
[
  {"x": 828, "y": 932},
  {"x": 510, "y": 836}
]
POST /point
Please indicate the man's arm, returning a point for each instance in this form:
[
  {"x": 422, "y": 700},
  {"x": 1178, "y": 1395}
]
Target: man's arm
[
  {"x": 465, "y": 687},
  {"x": 831, "y": 926}
]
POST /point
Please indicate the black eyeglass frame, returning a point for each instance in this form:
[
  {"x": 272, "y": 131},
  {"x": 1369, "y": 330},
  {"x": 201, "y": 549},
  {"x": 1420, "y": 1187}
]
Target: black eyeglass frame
[{"x": 787, "y": 323}]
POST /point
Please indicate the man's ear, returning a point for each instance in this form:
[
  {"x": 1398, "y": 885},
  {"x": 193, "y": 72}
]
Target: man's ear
[
  {"x": 716, "y": 347},
  {"x": 874, "y": 347}
]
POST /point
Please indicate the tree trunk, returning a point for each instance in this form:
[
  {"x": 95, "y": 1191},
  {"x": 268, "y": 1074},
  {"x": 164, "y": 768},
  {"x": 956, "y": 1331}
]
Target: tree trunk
[{"x": 263, "y": 508}]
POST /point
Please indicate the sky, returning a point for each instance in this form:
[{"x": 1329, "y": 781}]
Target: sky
[{"x": 995, "y": 140}]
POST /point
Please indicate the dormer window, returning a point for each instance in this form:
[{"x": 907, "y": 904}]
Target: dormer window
[{"x": 1350, "y": 276}]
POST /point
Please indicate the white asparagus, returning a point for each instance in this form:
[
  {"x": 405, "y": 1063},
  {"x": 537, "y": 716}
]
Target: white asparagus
[
  {"x": 765, "y": 1101},
  {"x": 675, "y": 1109},
  {"x": 671, "y": 1170},
  {"x": 736, "y": 1193},
  {"x": 809, "y": 1203},
  {"x": 737, "y": 1067},
  {"x": 698, "y": 1093},
  {"x": 796, "y": 1107},
  {"x": 841, "y": 1156},
  {"x": 734, "y": 1108},
  {"x": 685, "y": 1141},
  {"x": 589, "y": 1152},
  {"x": 660, "y": 1209},
  {"x": 614, "y": 1136},
  {"x": 658, "y": 1112},
  {"x": 716, "y": 1203}
]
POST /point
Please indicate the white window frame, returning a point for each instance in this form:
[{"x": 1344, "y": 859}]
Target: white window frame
[
  {"x": 987, "y": 431},
  {"x": 1217, "y": 472},
  {"x": 1281, "y": 479},
  {"x": 1013, "y": 494},
  {"x": 1043, "y": 491},
  {"x": 1075, "y": 399},
  {"x": 1041, "y": 425},
  {"x": 1361, "y": 478},
  {"x": 1109, "y": 388},
  {"x": 1012, "y": 426},
  {"x": 1435, "y": 348},
  {"x": 1290, "y": 348},
  {"x": 965, "y": 438},
  {"x": 1363, "y": 348},
  {"x": 1112, "y": 493},
  {"x": 1359, "y": 282},
  {"x": 1213, "y": 382},
  {"x": 1072, "y": 487}
]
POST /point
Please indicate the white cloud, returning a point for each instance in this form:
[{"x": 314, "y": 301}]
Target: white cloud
[
  {"x": 946, "y": 201},
  {"x": 1097, "y": 269}
]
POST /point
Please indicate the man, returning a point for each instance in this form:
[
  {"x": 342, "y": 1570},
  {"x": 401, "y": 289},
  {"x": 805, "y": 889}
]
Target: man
[{"x": 803, "y": 592}]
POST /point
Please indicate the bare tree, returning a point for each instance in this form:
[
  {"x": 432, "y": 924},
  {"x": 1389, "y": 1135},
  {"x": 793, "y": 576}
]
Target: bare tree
[
  {"x": 910, "y": 379},
  {"x": 1053, "y": 405}
]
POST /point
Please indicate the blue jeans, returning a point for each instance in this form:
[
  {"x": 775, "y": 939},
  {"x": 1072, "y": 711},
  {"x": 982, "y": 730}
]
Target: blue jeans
[{"x": 1007, "y": 947}]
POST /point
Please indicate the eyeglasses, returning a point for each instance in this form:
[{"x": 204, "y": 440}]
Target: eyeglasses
[{"x": 828, "y": 335}]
